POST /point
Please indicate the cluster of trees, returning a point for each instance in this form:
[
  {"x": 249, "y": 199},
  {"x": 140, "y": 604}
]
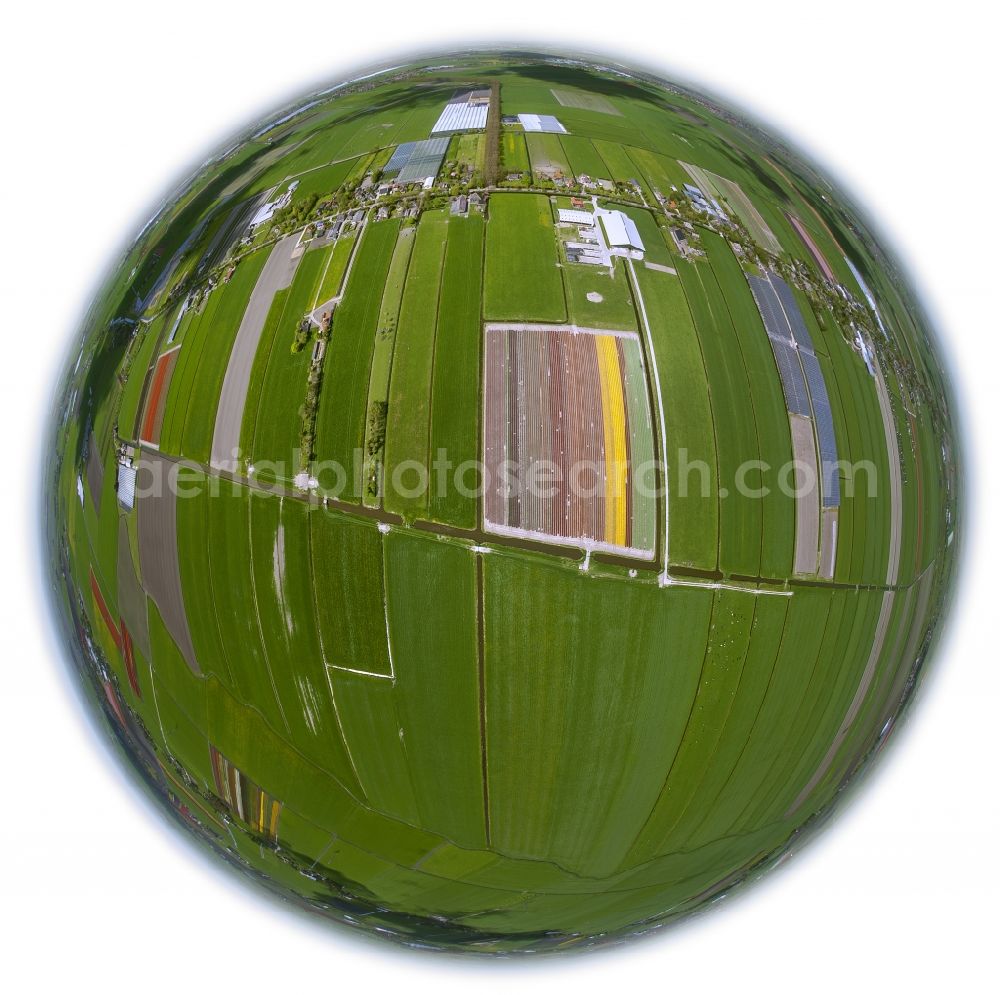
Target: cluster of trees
[
  {"x": 378, "y": 412},
  {"x": 307, "y": 415},
  {"x": 296, "y": 213}
]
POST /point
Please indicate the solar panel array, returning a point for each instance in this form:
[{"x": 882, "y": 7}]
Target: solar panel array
[{"x": 802, "y": 377}]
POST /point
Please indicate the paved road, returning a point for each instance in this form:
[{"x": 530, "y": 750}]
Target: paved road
[{"x": 276, "y": 275}]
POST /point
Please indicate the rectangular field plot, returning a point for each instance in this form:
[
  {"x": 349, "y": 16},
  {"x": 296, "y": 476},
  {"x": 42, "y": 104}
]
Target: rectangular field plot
[{"x": 567, "y": 433}]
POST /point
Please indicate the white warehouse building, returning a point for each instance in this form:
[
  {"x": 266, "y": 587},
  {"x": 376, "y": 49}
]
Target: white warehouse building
[{"x": 621, "y": 233}]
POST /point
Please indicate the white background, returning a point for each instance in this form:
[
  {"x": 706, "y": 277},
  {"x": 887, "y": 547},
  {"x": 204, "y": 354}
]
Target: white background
[{"x": 104, "y": 104}]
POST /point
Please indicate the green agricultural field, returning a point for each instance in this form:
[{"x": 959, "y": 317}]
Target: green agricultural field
[
  {"x": 693, "y": 515},
  {"x": 522, "y": 280},
  {"x": 340, "y": 425},
  {"x": 349, "y": 582},
  {"x": 584, "y": 159},
  {"x": 539, "y": 812},
  {"x": 546, "y": 155},
  {"x": 770, "y": 415},
  {"x": 616, "y": 158},
  {"x": 455, "y": 389},
  {"x": 495, "y": 717},
  {"x": 382, "y": 358},
  {"x": 337, "y": 259},
  {"x": 615, "y": 308},
  {"x": 408, "y": 427},
  {"x": 468, "y": 150},
  {"x": 281, "y": 374},
  {"x": 733, "y": 415},
  {"x": 659, "y": 171},
  {"x": 189, "y": 418},
  {"x": 324, "y": 181},
  {"x": 513, "y": 153},
  {"x": 433, "y": 635}
]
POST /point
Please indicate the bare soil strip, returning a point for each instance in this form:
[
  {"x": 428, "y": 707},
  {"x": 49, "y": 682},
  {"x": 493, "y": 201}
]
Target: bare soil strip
[
  {"x": 806, "y": 503},
  {"x": 156, "y": 505},
  {"x": 828, "y": 543},
  {"x": 95, "y": 473}
]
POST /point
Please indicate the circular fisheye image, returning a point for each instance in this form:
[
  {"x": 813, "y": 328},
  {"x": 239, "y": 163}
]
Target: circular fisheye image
[{"x": 502, "y": 503}]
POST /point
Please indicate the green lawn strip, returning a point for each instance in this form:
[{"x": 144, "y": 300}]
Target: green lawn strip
[
  {"x": 336, "y": 259},
  {"x": 513, "y": 153},
  {"x": 142, "y": 358},
  {"x": 104, "y": 538},
  {"x": 820, "y": 711},
  {"x": 852, "y": 526},
  {"x": 340, "y": 424},
  {"x": 583, "y": 158},
  {"x": 346, "y": 556},
  {"x": 870, "y": 718},
  {"x": 206, "y": 385},
  {"x": 324, "y": 181},
  {"x": 740, "y": 517},
  {"x": 595, "y": 125},
  {"x": 248, "y": 741},
  {"x": 564, "y": 721},
  {"x": 465, "y": 150},
  {"x": 860, "y": 406},
  {"x": 773, "y": 435},
  {"x": 455, "y": 393},
  {"x": 522, "y": 279},
  {"x": 381, "y": 368},
  {"x": 252, "y": 403},
  {"x": 615, "y": 309},
  {"x": 193, "y": 540},
  {"x": 659, "y": 171},
  {"x": 184, "y": 713},
  {"x": 934, "y": 527},
  {"x": 368, "y": 714},
  {"x": 408, "y": 426},
  {"x": 728, "y": 641},
  {"x": 433, "y": 631},
  {"x": 184, "y": 373},
  {"x": 282, "y": 576},
  {"x": 362, "y": 163},
  {"x": 766, "y": 744},
  {"x": 642, "y": 449},
  {"x": 615, "y": 157},
  {"x": 233, "y": 587},
  {"x": 702, "y": 785},
  {"x": 278, "y": 422},
  {"x": 693, "y": 506},
  {"x": 908, "y": 545}
]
